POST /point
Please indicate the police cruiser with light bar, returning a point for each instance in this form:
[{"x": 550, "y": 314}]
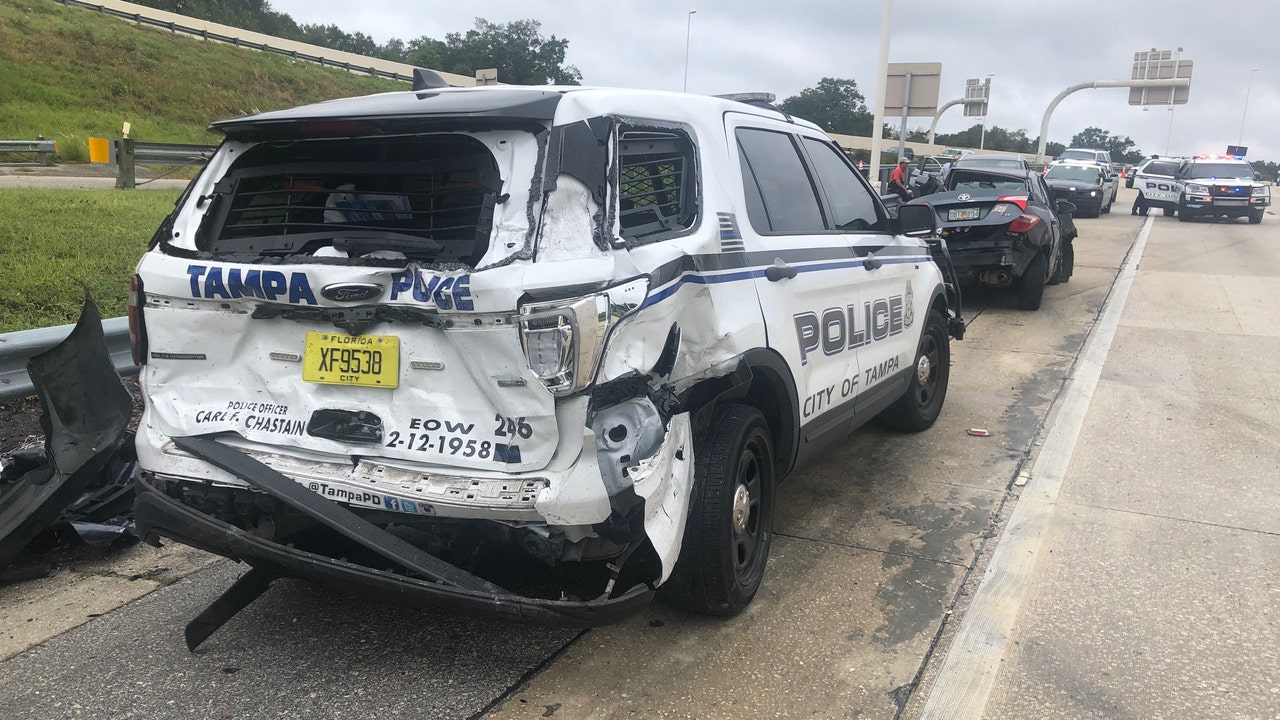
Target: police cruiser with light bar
[
  {"x": 1221, "y": 186},
  {"x": 531, "y": 351}
]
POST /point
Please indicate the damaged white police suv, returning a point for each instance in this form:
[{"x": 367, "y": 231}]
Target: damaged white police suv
[{"x": 531, "y": 352}]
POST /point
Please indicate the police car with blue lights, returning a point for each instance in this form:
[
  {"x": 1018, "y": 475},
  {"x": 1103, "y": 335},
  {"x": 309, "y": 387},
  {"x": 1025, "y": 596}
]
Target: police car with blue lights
[
  {"x": 527, "y": 351},
  {"x": 1221, "y": 186}
]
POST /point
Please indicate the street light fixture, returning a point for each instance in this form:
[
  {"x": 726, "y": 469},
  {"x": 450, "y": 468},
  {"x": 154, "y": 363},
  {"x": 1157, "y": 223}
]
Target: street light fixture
[
  {"x": 982, "y": 140},
  {"x": 1245, "y": 114},
  {"x": 688, "y": 28}
]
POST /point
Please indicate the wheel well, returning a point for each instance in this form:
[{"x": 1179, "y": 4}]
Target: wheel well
[{"x": 762, "y": 380}]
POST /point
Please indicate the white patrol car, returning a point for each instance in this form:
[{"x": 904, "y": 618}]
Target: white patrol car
[
  {"x": 532, "y": 351},
  {"x": 1157, "y": 184},
  {"x": 1221, "y": 186}
]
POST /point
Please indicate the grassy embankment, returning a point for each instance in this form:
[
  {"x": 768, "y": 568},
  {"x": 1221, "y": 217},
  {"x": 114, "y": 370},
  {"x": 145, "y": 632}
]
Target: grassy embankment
[
  {"x": 68, "y": 74},
  {"x": 94, "y": 243}
]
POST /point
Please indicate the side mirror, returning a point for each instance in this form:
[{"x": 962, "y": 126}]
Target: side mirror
[
  {"x": 1065, "y": 207},
  {"x": 917, "y": 220}
]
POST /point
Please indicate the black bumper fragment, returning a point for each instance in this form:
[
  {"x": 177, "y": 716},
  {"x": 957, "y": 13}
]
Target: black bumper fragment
[
  {"x": 158, "y": 515},
  {"x": 85, "y": 418}
]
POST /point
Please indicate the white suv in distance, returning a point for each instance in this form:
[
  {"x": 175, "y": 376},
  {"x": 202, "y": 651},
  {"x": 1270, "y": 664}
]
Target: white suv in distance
[{"x": 526, "y": 351}]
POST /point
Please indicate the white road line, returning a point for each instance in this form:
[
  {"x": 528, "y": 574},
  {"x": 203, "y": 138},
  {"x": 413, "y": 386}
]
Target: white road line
[{"x": 969, "y": 671}]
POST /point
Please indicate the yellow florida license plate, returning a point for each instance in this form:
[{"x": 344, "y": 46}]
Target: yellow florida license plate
[{"x": 365, "y": 360}]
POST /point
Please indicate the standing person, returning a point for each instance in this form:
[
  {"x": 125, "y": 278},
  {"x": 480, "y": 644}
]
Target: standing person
[
  {"x": 944, "y": 172},
  {"x": 898, "y": 180},
  {"x": 1139, "y": 205}
]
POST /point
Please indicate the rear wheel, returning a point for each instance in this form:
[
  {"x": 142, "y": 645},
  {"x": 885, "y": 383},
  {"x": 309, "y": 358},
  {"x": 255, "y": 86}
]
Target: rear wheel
[
  {"x": 1030, "y": 286},
  {"x": 1169, "y": 212},
  {"x": 919, "y": 407},
  {"x": 1255, "y": 216},
  {"x": 730, "y": 525}
]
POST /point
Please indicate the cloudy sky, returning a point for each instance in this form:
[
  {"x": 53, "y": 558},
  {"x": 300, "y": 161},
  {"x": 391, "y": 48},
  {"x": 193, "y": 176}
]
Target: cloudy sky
[{"x": 1033, "y": 48}]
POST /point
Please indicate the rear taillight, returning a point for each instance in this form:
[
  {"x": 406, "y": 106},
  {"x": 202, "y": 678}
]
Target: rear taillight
[
  {"x": 564, "y": 340},
  {"x": 137, "y": 329},
  {"x": 1023, "y": 223},
  {"x": 1019, "y": 200}
]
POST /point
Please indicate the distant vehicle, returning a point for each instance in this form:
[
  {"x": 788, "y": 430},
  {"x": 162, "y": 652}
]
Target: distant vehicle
[
  {"x": 953, "y": 153},
  {"x": 1101, "y": 157},
  {"x": 1004, "y": 229},
  {"x": 1156, "y": 184},
  {"x": 994, "y": 161},
  {"x": 1084, "y": 184},
  {"x": 1087, "y": 154},
  {"x": 926, "y": 174},
  {"x": 1221, "y": 186}
]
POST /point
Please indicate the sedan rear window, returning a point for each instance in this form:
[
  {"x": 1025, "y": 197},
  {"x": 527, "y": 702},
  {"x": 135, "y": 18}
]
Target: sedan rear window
[{"x": 428, "y": 198}]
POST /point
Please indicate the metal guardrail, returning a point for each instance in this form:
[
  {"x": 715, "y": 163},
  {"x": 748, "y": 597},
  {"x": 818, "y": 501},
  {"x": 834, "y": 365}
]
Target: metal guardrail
[
  {"x": 126, "y": 154},
  {"x": 41, "y": 148},
  {"x": 18, "y": 347}
]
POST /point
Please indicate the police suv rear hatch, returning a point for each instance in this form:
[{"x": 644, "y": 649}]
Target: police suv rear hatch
[{"x": 343, "y": 280}]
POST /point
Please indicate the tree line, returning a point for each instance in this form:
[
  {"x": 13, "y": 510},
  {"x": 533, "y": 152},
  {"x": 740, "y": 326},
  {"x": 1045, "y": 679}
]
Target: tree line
[
  {"x": 523, "y": 56},
  {"x": 518, "y": 49}
]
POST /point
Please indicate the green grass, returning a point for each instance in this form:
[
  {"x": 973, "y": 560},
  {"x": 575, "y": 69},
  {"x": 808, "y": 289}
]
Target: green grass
[
  {"x": 56, "y": 243},
  {"x": 67, "y": 73}
]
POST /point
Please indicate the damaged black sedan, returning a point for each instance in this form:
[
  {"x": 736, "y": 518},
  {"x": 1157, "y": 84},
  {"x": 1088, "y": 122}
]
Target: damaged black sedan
[{"x": 1005, "y": 230}]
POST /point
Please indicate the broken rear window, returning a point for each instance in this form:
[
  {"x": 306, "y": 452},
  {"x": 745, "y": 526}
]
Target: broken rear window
[
  {"x": 428, "y": 197},
  {"x": 657, "y": 188}
]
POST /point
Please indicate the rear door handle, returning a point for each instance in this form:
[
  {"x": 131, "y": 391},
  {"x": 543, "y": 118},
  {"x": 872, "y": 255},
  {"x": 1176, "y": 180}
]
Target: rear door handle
[{"x": 779, "y": 270}]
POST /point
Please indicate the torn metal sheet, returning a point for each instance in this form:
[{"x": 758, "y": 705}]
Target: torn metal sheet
[{"x": 86, "y": 411}]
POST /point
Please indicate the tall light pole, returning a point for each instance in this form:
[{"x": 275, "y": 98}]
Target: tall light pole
[
  {"x": 688, "y": 28},
  {"x": 982, "y": 140},
  {"x": 877, "y": 112},
  {"x": 1245, "y": 114}
]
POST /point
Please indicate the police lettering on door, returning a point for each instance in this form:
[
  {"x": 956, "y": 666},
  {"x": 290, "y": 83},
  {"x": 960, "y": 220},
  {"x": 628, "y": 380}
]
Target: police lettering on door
[{"x": 838, "y": 329}]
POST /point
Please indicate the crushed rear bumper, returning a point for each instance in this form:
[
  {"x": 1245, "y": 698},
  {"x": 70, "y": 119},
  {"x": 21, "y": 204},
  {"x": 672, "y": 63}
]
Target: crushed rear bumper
[{"x": 159, "y": 515}]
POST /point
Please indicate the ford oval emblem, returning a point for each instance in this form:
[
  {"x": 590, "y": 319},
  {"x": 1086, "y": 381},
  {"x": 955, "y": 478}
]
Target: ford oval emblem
[
  {"x": 962, "y": 197},
  {"x": 351, "y": 292}
]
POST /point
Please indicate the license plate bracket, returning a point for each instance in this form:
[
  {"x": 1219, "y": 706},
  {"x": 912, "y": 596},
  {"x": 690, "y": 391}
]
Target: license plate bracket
[
  {"x": 358, "y": 360},
  {"x": 972, "y": 213}
]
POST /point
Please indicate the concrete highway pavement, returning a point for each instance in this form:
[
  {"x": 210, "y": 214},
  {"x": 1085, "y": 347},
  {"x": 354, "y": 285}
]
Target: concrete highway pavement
[
  {"x": 1139, "y": 575},
  {"x": 880, "y": 544}
]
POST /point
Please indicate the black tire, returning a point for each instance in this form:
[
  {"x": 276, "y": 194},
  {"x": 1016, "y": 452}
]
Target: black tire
[
  {"x": 1106, "y": 209},
  {"x": 919, "y": 407},
  {"x": 1255, "y": 217},
  {"x": 1030, "y": 286},
  {"x": 1184, "y": 215},
  {"x": 1068, "y": 263},
  {"x": 730, "y": 525},
  {"x": 1169, "y": 212}
]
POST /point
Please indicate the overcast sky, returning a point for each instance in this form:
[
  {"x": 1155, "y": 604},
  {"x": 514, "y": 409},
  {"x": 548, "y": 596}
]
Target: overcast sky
[{"x": 1034, "y": 48}]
